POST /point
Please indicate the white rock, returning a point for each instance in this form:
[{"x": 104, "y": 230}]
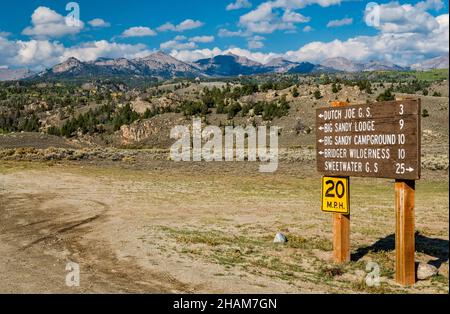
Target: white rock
[
  {"x": 280, "y": 238},
  {"x": 425, "y": 271}
]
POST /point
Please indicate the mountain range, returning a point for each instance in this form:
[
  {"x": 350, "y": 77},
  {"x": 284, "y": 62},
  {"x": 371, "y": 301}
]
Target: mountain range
[
  {"x": 435, "y": 63},
  {"x": 155, "y": 65},
  {"x": 164, "y": 66},
  {"x": 345, "y": 65},
  {"x": 7, "y": 74}
]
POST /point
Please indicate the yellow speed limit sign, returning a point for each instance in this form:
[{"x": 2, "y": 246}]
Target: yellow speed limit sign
[{"x": 336, "y": 195}]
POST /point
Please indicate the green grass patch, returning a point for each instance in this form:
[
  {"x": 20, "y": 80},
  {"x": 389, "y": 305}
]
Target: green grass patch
[{"x": 383, "y": 288}]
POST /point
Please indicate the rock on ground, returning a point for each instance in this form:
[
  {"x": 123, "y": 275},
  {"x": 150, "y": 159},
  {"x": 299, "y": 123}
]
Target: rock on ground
[
  {"x": 280, "y": 238},
  {"x": 425, "y": 271}
]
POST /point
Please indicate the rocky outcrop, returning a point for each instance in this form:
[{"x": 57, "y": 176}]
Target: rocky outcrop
[
  {"x": 137, "y": 132},
  {"x": 155, "y": 130}
]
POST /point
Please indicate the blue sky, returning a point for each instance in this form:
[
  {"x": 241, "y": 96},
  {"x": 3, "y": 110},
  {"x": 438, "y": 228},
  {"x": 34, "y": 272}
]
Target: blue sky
[{"x": 35, "y": 33}]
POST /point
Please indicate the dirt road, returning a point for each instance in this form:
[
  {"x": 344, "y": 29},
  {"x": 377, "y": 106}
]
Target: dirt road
[{"x": 201, "y": 228}]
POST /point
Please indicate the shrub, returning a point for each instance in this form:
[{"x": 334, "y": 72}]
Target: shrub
[
  {"x": 334, "y": 88},
  {"x": 365, "y": 85},
  {"x": 149, "y": 113},
  {"x": 221, "y": 107},
  {"x": 124, "y": 115},
  {"x": 31, "y": 124},
  {"x": 53, "y": 130},
  {"x": 194, "y": 108},
  {"x": 233, "y": 109},
  {"x": 275, "y": 109},
  {"x": 317, "y": 94},
  {"x": 386, "y": 95}
]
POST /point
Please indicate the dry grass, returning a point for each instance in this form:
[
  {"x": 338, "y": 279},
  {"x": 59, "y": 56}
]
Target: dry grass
[{"x": 225, "y": 217}]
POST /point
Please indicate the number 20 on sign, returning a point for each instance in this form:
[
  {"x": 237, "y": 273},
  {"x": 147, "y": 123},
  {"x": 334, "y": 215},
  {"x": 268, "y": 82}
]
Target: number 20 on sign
[{"x": 336, "y": 195}]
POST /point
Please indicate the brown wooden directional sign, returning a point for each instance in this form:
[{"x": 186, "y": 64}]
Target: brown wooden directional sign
[{"x": 380, "y": 140}]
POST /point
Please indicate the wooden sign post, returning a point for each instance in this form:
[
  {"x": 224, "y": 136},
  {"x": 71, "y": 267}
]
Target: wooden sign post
[
  {"x": 379, "y": 140},
  {"x": 405, "y": 267},
  {"x": 341, "y": 226}
]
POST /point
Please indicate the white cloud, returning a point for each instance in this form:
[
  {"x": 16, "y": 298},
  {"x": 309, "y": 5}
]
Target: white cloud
[
  {"x": 294, "y": 17},
  {"x": 266, "y": 17},
  {"x": 47, "y": 23},
  {"x": 99, "y": 23},
  {"x": 39, "y": 54},
  {"x": 307, "y": 29},
  {"x": 406, "y": 18},
  {"x": 342, "y": 22},
  {"x": 402, "y": 49},
  {"x": 193, "y": 55},
  {"x": 261, "y": 20},
  {"x": 180, "y": 37},
  {"x": 300, "y": 4},
  {"x": 227, "y": 33},
  {"x": 352, "y": 49},
  {"x": 166, "y": 27},
  {"x": 35, "y": 53},
  {"x": 4, "y": 34},
  {"x": 202, "y": 39},
  {"x": 183, "y": 26},
  {"x": 8, "y": 50},
  {"x": 188, "y": 24},
  {"x": 93, "y": 50},
  {"x": 173, "y": 44},
  {"x": 183, "y": 43},
  {"x": 430, "y": 5},
  {"x": 255, "y": 56},
  {"x": 138, "y": 31},
  {"x": 443, "y": 24},
  {"x": 239, "y": 4},
  {"x": 399, "y": 48},
  {"x": 255, "y": 44}
]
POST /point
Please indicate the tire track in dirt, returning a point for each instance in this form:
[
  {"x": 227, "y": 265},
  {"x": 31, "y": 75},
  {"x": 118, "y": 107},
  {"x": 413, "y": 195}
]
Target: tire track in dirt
[
  {"x": 69, "y": 227},
  {"x": 42, "y": 225}
]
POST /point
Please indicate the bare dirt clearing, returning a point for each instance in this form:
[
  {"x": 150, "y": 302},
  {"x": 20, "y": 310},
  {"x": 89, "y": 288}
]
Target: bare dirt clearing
[{"x": 185, "y": 227}]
